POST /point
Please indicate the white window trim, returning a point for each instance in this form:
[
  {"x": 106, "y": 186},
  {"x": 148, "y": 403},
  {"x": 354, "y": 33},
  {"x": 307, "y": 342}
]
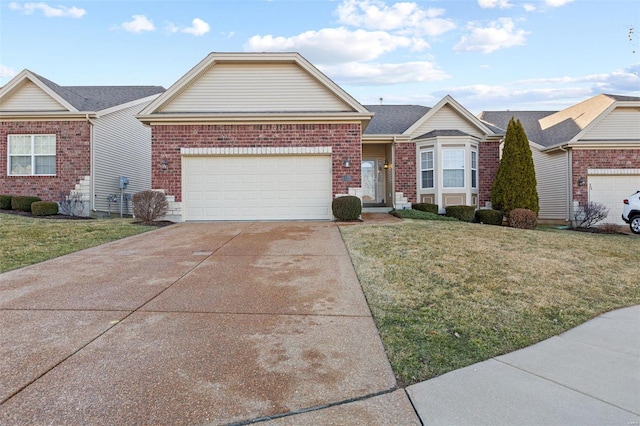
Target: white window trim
[
  {"x": 464, "y": 167},
  {"x": 32, "y": 154},
  {"x": 432, "y": 169},
  {"x": 474, "y": 169}
]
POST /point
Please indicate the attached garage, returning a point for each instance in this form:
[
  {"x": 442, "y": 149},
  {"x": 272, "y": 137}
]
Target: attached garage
[
  {"x": 257, "y": 187},
  {"x": 610, "y": 187}
]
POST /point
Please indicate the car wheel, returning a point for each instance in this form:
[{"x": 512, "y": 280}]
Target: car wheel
[{"x": 634, "y": 224}]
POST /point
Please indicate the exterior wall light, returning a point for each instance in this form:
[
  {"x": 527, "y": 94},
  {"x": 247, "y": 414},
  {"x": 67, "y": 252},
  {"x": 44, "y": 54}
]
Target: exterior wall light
[
  {"x": 346, "y": 163},
  {"x": 387, "y": 165},
  {"x": 164, "y": 164},
  {"x": 581, "y": 181}
]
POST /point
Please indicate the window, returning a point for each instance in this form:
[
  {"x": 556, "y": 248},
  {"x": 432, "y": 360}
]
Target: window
[
  {"x": 32, "y": 155},
  {"x": 453, "y": 168},
  {"x": 426, "y": 169},
  {"x": 474, "y": 169}
]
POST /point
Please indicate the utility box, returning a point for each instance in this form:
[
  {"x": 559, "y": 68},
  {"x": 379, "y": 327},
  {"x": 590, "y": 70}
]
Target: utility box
[{"x": 123, "y": 182}]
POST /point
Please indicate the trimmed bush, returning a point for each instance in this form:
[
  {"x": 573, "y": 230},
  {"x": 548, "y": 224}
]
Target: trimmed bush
[
  {"x": 149, "y": 205},
  {"x": 346, "y": 208},
  {"x": 5, "y": 202},
  {"x": 44, "y": 208},
  {"x": 490, "y": 217},
  {"x": 23, "y": 203},
  {"x": 421, "y": 215},
  {"x": 462, "y": 213},
  {"x": 522, "y": 219},
  {"x": 425, "y": 207}
]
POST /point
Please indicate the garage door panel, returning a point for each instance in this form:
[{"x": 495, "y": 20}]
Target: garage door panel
[
  {"x": 610, "y": 190},
  {"x": 257, "y": 187}
]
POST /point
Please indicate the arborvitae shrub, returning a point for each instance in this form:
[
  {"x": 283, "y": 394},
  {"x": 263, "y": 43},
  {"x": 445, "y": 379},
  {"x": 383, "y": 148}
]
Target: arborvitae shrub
[
  {"x": 5, "y": 202},
  {"x": 462, "y": 213},
  {"x": 346, "y": 208},
  {"x": 425, "y": 207},
  {"x": 522, "y": 219},
  {"x": 44, "y": 208},
  {"x": 149, "y": 205},
  {"x": 490, "y": 217},
  {"x": 23, "y": 203}
]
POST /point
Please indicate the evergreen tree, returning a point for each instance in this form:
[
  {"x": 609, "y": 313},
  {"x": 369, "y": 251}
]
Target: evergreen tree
[{"x": 515, "y": 183}]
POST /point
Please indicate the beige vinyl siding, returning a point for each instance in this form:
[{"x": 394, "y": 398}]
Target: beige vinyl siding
[
  {"x": 620, "y": 124},
  {"x": 122, "y": 147},
  {"x": 552, "y": 178},
  {"x": 30, "y": 97},
  {"x": 256, "y": 88},
  {"x": 447, "y": 119}
]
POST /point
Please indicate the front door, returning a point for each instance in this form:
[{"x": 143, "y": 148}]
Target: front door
[{"x": 370, "y": 181}]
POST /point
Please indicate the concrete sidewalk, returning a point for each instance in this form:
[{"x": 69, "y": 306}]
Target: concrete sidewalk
[{"x": 589, "y": 375}]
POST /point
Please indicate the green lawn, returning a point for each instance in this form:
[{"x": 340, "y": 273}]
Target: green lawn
[
  {"x": 448, "y": 294},
  {"x": 28, "y": 240}
]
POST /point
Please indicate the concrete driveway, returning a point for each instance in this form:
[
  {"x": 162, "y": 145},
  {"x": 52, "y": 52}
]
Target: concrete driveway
[{"x": 209, "y": 323}]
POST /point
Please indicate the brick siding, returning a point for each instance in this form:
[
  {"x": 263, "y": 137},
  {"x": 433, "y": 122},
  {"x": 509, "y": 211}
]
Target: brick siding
[
  {"x": 405, "y": 170},
  {"x": 584, "y": 159},
  {"x": 488, "y": 162},
  {"x": 344, "y": 139},
  {"x": 73, "y": 158}
]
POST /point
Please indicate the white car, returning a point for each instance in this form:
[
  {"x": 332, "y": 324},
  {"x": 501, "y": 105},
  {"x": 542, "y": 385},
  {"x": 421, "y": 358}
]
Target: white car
[{"x": 631, "y": 212}]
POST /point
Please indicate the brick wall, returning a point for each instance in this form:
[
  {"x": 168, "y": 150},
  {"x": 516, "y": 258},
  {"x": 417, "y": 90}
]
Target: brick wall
[
  {"x": 73, "y": 158},
  {"x": 488, "y": 162},
  {"x": 584, "y": 159},
  {"x": 405, "y": 170},
  {"x": 344, "y": 139}
]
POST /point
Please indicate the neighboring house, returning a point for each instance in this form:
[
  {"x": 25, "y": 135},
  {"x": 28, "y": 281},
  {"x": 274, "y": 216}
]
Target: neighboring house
[
  {"x": 587, "y": 152},
  {"x": 267, "y": 136},
  {"x": 73, "y": 141}
]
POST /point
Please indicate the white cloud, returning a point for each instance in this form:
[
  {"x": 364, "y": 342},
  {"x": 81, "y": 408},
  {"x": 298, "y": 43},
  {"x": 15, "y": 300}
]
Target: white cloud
[
  {"x": 138, "y": 24},
  {"x": 404, "y": 17},
  {"x": 492, "y": 4},
  {"x": 557, "y": 3},
  {"x": 372, "y": 74},
  {"x": 528, "y": 7},
  {"x": 48, "y": 11},
  {"x": 7, "y": 72},
  {"x": 499, "y": 34},
  {"x": 198, "y": 27},
  {"x": 335, "y": 45}
]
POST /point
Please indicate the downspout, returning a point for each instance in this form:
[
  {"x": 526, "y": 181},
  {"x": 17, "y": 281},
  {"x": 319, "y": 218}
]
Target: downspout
[
  {"x": 92, "y": 203},
  {"x": 393, "y": 173}
]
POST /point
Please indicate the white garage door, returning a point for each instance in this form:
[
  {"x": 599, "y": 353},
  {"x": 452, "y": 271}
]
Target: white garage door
[
  {"x": 287, "y": 187},
  {"x": 610, "y": 190}
]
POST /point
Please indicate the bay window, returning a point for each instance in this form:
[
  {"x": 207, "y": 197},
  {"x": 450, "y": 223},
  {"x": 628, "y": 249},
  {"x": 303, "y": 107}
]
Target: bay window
[
  {"x": 427, "y": 169},
  {"x": 31, "y": 155},
  {"x": 474, "y": 169},
  {"x": 453, "y": 168}
]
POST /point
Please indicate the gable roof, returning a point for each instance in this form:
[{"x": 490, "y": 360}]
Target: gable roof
[
  {"x": 393, "y": 119},
  {"x": 230, "y": 86},
  {"x": 79, "y": 98},
  {"x": 551, "y": 128}
]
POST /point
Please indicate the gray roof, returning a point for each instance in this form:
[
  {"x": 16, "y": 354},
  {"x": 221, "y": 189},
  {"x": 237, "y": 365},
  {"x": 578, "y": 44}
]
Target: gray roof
[
  {"x": 624, "y": 98},
  {"x": 437, "y": 133},
  {"x": 528, "y": 119},
  {"x": 393, "y": 119},
  {"x": 96, "y": 98}
]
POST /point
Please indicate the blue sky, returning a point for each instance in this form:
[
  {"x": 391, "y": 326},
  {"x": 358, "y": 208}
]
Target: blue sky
[{"x": 487, "y": 54}]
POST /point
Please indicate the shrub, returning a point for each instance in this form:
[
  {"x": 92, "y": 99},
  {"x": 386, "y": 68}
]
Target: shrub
[
  {"x": 590, "y": 214},
  {"x": 490, "y": 217},
  {"x": 609, "y": 228},
  {"x": 149, "y": 205},
  {"x": 419, "y": 214},
  {"x": 23, "y": 203},
  {"x": 522, "y": 219},
  {"x": 44, "y": 208},
  {"x": 463, "y": 213},
  {"x": 347, "y": 207},
  {"x": 5, "y": 202},
  {"x": 425, "y": 207}
]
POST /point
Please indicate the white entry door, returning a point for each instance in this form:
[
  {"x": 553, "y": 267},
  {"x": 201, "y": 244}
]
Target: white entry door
[{"x": 287, "y": 187}]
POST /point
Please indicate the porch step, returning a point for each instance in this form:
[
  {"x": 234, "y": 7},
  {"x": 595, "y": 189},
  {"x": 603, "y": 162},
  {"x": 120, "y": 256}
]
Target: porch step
[{"x": 376, "y": 209}]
